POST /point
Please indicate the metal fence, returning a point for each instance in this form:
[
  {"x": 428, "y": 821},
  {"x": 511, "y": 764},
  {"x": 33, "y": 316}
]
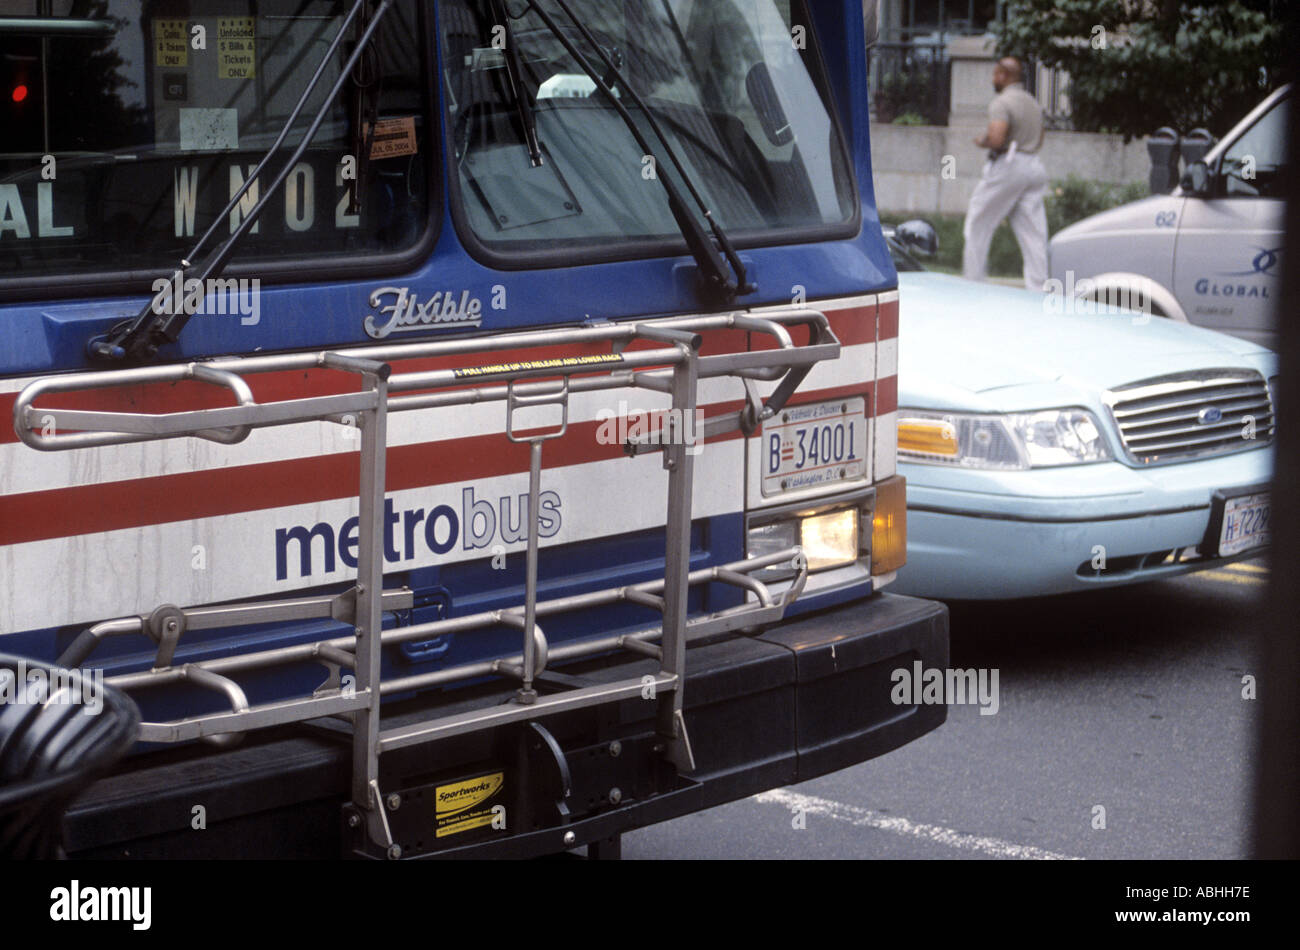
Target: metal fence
[
  {"x": 910, "y": 81},
  {"x": 1051, "y": 88}
]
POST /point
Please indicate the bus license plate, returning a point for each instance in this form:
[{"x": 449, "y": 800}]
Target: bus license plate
[
  {"x": 804, "y": 446},
  {"x": 1245, "y": 524}
]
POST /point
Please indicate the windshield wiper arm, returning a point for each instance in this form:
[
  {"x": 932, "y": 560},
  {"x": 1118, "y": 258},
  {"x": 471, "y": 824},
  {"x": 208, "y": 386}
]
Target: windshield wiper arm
[
  {"x": 515, "y": 78},
  {"x": 726, "y": 283},
  {"x": 742, "y": 281},
  {"x": 39, "y": 26},
  {"x": 161, "y": 320}
]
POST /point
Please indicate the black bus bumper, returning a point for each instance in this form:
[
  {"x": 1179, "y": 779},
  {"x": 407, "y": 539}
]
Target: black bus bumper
[{"x": 802, "y": 699}]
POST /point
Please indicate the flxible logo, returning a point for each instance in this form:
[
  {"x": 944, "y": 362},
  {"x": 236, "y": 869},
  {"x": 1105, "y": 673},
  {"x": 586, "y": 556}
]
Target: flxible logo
[{"x": 405, "y": 314}]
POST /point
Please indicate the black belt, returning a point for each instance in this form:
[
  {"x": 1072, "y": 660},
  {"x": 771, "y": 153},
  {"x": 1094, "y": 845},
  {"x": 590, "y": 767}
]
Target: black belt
[{"x": 996, "y": 153}]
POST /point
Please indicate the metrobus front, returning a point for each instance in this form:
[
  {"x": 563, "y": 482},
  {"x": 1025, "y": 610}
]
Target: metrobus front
[{"x": 553, "y": 343}]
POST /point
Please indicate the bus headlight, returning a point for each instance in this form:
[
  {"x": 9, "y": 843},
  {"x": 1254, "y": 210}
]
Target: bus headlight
[{"x": 829, "y": 538}]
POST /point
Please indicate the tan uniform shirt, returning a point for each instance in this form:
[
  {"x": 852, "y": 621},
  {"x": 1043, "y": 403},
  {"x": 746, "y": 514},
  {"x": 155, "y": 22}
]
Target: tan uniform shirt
[{"x": 1023, "y": 116}]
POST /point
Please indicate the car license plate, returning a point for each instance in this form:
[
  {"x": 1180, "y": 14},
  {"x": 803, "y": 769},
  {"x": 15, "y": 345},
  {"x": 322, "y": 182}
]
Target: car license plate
[
  {"x": 805, "y": 446},
  {"x": 1245, "y": 524}
]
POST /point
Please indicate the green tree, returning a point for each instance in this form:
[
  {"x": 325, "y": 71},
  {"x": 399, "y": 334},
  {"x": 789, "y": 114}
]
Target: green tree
[{"x": 1136, "y": 65}]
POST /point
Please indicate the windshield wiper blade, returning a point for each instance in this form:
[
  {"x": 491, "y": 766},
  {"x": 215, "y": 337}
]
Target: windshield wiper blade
[
  {"x": 39, "y": 26},
  {"x": 163, "y": 318},
  {"x": 727, "y": 283},
  {"x": 742, "y": 281},
  {"x": 518, "y": 92}
]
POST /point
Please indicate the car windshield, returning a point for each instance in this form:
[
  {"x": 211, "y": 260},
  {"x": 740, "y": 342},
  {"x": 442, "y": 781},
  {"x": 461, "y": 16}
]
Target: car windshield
[{"x": 732, "y": 84}]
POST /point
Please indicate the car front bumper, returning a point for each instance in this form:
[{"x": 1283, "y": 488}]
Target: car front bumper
[{"x": 978, "y": 535}]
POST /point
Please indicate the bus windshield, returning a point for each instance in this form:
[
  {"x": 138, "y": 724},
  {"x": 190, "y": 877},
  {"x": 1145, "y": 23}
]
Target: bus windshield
[
  {"x": 732, "y": 83},
  {"x": 127, "y": 125}
]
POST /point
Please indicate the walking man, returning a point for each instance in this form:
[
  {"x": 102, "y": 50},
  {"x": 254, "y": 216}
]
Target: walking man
[{"x": 1014, "y": 180}]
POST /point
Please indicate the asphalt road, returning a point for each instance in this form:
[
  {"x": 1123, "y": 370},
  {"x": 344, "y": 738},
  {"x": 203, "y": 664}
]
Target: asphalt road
[{"x": 1128, "y": 699}]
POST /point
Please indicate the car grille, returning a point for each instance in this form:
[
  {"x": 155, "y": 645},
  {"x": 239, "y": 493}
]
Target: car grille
[{"x": 1190, "y": 415}]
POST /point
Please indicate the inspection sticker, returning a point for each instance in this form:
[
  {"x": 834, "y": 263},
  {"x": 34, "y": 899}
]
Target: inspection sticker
[{"x": 393, "y": 138}]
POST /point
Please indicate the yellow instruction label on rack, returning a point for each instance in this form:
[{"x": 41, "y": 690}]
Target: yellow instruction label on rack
[{"x": 559, "y": 362}]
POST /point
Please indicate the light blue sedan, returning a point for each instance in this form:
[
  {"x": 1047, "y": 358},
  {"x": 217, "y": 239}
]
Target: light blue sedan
[{"x": 1049, "y": 451}]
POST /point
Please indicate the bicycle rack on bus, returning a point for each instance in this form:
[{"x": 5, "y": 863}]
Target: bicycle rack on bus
[{"x": 672, "y": 365}]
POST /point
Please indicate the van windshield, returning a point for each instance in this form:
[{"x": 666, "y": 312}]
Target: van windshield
[
  {"x": 732, "y": 84},
  {"x": 127, "y": 125},
  {"x": 1255, "y": 165}
]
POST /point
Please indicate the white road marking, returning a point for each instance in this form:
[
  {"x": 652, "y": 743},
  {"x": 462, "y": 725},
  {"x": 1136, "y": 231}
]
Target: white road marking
[{"x": 865, "y": 818}]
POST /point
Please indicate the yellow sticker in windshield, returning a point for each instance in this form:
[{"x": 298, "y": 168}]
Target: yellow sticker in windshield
[
  {"x": 170, "y": 48},
  {"x": 236, "y": 47}
]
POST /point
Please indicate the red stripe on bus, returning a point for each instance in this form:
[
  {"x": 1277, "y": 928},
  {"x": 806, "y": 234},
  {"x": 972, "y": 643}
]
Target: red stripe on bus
[
  {"x": 185, "y": 396},
  {"x": 188, "y": 396},
  {"x": 188, "y": 496},
  {"x": 886, "y": 395},
  {"x": 852, "y": 326},
  {"x": 888, "y": 320}
]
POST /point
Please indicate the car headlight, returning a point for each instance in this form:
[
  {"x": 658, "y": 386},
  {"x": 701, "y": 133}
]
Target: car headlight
[{"x": 1011, "y": 441}]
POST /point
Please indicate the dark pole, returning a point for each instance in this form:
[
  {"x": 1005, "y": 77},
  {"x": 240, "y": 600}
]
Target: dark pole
[{"x": 1277, "y": 792}]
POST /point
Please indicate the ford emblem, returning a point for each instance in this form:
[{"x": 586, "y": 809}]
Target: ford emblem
[{"x": 1209, "y": 415}]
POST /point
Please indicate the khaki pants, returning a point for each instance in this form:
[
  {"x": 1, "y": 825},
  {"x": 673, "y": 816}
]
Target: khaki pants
[{"x": 1012, "y": 186}]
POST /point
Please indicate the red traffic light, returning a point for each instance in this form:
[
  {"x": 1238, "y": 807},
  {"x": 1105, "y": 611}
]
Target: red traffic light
[{"x": 19, "y": 93}]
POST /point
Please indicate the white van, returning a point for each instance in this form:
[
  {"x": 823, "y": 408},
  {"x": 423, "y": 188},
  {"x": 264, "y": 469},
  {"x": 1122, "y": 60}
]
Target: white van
[{"x": 1210, "y": 252}]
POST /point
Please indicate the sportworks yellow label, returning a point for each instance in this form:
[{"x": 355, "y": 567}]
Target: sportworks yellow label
[{"x": 467, "y": 804}]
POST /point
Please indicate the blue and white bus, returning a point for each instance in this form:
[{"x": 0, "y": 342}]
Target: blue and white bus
[{"x": 462, "y": 427}]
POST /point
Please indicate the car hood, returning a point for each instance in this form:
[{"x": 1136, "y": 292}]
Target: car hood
[{"x": 958, "y": 338}]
